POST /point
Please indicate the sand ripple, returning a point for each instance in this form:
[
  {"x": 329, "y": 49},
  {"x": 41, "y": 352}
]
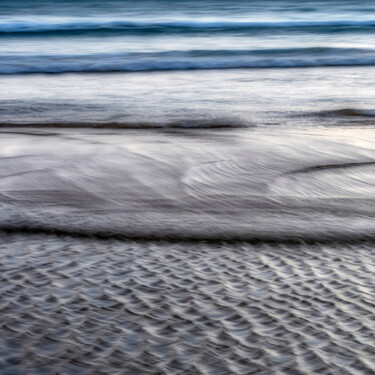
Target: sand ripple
[{"x": 80, "y": 306}]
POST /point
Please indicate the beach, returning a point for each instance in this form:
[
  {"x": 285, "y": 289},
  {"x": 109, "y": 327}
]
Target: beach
[
  {"x": 186, "y": 251},
  {"x": 76, "y": 305},
  {"x": 189, "y": 184},
  {"x": 187, "y": 187}
]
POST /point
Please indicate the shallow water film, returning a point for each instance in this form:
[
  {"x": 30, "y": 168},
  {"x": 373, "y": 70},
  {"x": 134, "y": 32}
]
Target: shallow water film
[{"x": 187, "y": 187}]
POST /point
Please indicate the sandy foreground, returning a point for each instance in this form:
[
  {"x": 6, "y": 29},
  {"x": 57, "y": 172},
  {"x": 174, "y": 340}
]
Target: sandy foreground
[
  {"x": 257, "y": 254},
  {"x": 90, "y": 306}
]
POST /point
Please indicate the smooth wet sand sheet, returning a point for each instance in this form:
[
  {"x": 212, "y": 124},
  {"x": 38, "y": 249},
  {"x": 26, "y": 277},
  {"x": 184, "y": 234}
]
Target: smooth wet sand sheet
[
  {"x": 190, "y": 184},
  {"x": 80, "y": 305}
]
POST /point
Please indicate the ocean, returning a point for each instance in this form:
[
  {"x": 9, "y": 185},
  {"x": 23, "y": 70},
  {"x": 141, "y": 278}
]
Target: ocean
[
  {"x": 187, "y": 187},
  {"x": 128, "y": 36}
]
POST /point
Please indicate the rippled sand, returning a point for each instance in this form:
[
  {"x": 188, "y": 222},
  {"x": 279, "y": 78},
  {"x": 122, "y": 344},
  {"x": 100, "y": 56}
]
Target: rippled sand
[{"x": 86, "y": 306}]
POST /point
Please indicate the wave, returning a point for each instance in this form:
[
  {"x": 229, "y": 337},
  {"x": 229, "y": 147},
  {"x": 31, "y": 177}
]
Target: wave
[
  {"x": 338, "y": 166},
  {"x": 92, "y": 26},
  {"x": 182, "y": 124},
  {"x": 187, "y": 60},
  {"x": 339, "y": 237},
  {"x": 348, "y": 112}
]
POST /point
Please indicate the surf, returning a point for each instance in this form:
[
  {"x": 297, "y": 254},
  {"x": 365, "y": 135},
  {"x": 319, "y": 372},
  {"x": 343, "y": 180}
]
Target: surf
[
  {"x": 199, "y": 59},
  {"x": 129, "y": 26}
]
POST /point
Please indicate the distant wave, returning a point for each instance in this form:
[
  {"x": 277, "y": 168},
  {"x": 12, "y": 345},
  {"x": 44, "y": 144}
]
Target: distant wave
[
  {"x": 188, "y": 124},
  {"x": 187, "y": 60},
  {"x": 35, "y": 27},
  {"x": 348, "y": 112}
]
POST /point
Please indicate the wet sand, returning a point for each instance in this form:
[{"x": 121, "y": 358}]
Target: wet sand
[
  {"x": 85, "y": 306},
  {"x": 187, "y": 252}
]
